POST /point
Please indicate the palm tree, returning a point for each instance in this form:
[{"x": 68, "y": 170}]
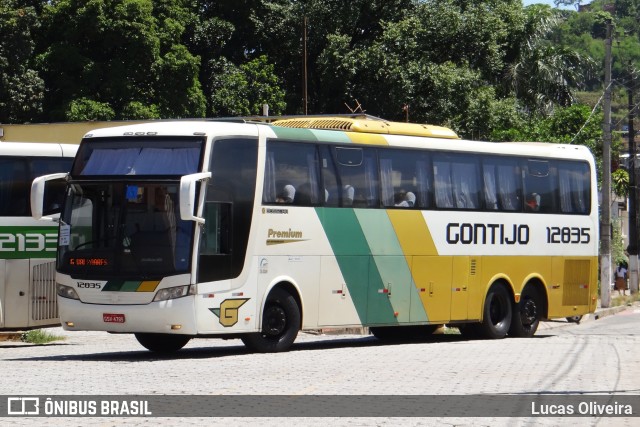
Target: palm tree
[{"x": 543, "y": 74}]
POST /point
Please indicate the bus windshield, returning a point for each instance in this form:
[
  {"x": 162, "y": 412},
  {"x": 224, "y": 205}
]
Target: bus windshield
[
  {"x": 124, "y": 229},
  {"x": 144, "y": 156}
]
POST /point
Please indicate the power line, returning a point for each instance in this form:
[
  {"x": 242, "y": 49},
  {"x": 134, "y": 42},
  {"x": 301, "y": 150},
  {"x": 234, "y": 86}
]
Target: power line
[{"x": 592, "y": 113}]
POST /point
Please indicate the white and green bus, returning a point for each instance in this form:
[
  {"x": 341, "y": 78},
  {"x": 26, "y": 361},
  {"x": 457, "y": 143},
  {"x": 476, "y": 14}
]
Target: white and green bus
[
  {"x": 27, "y": 246},
  {"x": 176, "y": 230}
]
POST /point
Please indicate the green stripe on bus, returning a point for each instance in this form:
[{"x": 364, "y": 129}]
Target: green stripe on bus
[
  {"x": 293, "y": 133},
  {"x": 357, "y": 266},
  {"x": 130, "y": 286},
  {"x": 113, "y": 285},
  {"x": 331, "y": 136},
  {"x": 391, "y": 264},
  {"x": 22, "y": 242},
  {"x": 122, "y": 286}
]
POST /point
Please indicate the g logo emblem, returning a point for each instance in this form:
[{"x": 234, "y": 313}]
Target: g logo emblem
[{"x": 228, "y": 311}]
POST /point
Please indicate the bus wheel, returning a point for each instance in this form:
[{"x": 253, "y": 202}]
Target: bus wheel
[
  {"x": 574, "y": 319},
  {"x": 280, "y": 324},
  {"x": 163, "y": 343},
  {"x": 497, "y": 313},
  {"x": 526, "y": 314}
]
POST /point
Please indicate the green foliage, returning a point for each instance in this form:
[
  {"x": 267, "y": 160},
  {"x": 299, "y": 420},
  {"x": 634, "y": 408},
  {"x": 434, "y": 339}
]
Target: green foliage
[
  {"x": 85, "y": 109},
  {"x": 545, "y": 72},
  {"x": 21, "y": 87},
  {"x": 130, "y": 55},
  {"x": 39, "y": 336},
  {"x": 178, "y": 88},
  {"x": 618, "y": 253},
  {"x": 490, "y": 69},
  {"x": 241, "y": 91},
  {"x": 136, "y": 110},
  {"x": 620, "y": 183}
]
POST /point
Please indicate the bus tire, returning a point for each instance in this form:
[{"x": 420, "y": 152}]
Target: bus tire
[
  {"x": 163, "y": 343},
  {"x": 574, "y": 319},
  {"x": 526, "y": 314},
  {"x": 281, "y": 322},
  {"x": 496, "y": 318},
  {"x": 402, "y": 333}
]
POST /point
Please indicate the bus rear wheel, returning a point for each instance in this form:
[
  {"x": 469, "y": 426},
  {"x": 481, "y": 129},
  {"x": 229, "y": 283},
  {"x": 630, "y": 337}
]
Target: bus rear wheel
[
  {"x": 281, "y": 322},
  {"x": 526, "y": 314},
  {"x": 574, "y": 319},
  {"x": 163, "y": 343},
  {"x": 496, "y": 318}
]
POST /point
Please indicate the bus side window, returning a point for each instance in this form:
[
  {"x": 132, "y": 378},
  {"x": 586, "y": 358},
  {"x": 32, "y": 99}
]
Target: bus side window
[
  {"x": 404, "y": 178},
  {"x": 291, "y": 174},
  {"x": 329, "y": 177},
  {"x": 466, "y": 188},
  {"x": 14, "y": 192},
  {"x": 539, "y": 187},
  {"x": 442, "y": 182},
  {"x": 502, "y": 182},
  {"x": 358, "y": 168},
  {"x": 575, "y": 192},
  {"x": 228, "y": 208},
  {"x": 215, "y": 233}
]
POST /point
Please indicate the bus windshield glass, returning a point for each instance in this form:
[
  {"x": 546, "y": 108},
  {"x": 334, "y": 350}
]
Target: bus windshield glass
[
  {"x": 123, "y": 229},
  {"x": 142, "y": 156}
]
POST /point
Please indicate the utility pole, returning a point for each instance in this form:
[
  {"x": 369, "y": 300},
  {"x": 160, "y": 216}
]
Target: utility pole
[
  {"x": 633, "y": 193},
  {"x": 304, "y": 72},
  {"x": 605, "y": 218}
]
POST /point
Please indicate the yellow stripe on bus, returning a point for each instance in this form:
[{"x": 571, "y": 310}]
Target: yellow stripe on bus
[
  {"x": 148, "y": 286},
  {"x": 412, "y": 232},
  {"x": 367, "y": 138}
]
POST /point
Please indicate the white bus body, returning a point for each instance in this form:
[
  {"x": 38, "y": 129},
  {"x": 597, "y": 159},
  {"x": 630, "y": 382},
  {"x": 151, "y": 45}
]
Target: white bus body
[
  {"x": 174, "y": 230},
  {"x": 27, "y": 246}
]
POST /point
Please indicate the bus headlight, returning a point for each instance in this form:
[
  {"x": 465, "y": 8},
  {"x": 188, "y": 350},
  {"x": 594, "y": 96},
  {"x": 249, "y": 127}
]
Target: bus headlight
[
  {"x": 173, "y": 293},
  {"x": 66, "y": 291}
]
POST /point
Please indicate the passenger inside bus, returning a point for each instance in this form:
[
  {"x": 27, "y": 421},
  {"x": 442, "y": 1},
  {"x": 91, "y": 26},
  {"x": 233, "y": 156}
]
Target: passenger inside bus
[
  {"x": 303, "y": 195},
  {"x": 348, "y": 193},
  {"x": 405, "y": 199},
  {"x": 286, "y": 195},
  {"x": 532, "y": 203}
]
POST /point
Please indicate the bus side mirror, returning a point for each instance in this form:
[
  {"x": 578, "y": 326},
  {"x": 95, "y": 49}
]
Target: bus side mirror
[
  {"x": 37, "y": 193},
  {"x": 188, "y": 196}
]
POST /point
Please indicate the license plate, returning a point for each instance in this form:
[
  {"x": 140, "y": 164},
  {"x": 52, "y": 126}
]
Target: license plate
[{"x": 112, "y": 318}]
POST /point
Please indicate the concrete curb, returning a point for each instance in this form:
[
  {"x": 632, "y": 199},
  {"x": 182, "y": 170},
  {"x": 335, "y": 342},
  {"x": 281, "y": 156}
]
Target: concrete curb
[
  {"x": 609, "y": 311},
  {"x": 11, "y": 336}
]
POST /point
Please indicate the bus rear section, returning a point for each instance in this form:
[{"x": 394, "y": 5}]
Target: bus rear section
[{"x": 27, "y": 246}]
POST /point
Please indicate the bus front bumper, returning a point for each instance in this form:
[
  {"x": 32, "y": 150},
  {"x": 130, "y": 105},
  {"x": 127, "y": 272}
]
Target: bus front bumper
[{"x": 176, "y": 316}]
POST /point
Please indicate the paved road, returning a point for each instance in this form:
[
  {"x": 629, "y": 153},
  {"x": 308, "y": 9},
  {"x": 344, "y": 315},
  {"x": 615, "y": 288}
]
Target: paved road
[{"x": 594, "y": 357}]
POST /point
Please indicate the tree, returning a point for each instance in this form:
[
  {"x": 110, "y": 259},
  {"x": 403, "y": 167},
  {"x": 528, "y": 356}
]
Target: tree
[
  {"x": 438, "y": 60},
  {"x": 129, "y": 56},
  {"x": 84, "y": 109},
  {"x": 576, "y": 125},
  {"x": 21, "y": 87},
  {"x": 620, "y": 183},
  {"x": 241, "y": 91},
  {"x": 545, "y": 74},
  {"x": 279, "y": 28},
  {"x": 575, "y": 3}
]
